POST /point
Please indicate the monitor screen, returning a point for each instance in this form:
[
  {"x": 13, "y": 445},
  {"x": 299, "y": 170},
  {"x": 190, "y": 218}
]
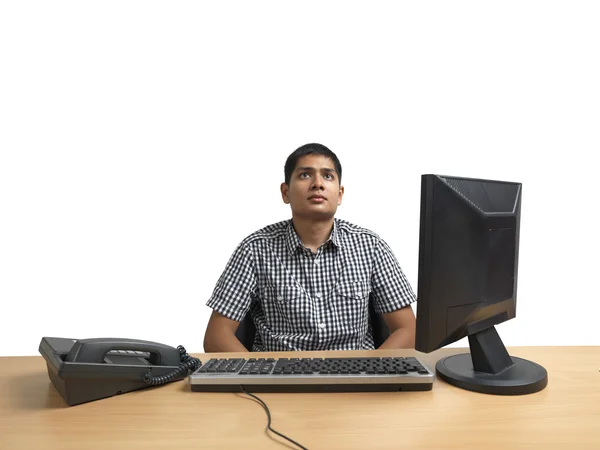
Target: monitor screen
[{"x": 468, "y": 273}]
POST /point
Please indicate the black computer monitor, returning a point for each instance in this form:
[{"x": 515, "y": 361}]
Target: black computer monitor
[{"x": 468, "y": 266}]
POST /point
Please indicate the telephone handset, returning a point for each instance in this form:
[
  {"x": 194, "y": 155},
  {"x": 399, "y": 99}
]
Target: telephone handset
[
  {"x": 95, "y": 350},
  {"x": 89, "y": 369}
]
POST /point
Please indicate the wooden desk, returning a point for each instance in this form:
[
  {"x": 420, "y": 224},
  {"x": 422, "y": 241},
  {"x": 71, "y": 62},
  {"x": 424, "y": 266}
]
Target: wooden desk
[{"x": 567, "y": 412}]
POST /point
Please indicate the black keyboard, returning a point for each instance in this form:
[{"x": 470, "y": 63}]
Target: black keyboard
[{"x": 312, "y": 375}]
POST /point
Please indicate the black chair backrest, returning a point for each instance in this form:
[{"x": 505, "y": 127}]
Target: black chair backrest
[{"x": 246, "y": 330}]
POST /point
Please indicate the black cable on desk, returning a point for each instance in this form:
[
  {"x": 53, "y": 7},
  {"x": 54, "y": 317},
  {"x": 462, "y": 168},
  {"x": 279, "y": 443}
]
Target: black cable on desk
[{"x": 269, "y": 418}]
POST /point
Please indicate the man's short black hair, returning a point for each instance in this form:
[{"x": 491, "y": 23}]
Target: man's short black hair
[{"x": 311, "y": 149}]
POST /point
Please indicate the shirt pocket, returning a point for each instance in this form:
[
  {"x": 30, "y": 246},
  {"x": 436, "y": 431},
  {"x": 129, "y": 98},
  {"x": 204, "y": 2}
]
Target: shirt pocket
[
  {"x": 353, "y": 303},
  {"x": 288, "y": 308}
]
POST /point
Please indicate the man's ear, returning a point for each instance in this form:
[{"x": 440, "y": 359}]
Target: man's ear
[
  {"x": 341, "y": 195},
  {"x": 284, "y": 193}
]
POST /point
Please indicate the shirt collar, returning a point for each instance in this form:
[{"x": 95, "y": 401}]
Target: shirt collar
[
  {"x": 293, "y": 240},
  {"x": 336, "y": 234}
]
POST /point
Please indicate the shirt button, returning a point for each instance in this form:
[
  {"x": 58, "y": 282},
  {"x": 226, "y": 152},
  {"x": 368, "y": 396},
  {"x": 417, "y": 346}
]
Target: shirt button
[
  {"x": 279, "y": 297},
  {"x": 318, "y": 295},
  {"x": 317, "y": 262},
  {"x": 322, "y": 325}
]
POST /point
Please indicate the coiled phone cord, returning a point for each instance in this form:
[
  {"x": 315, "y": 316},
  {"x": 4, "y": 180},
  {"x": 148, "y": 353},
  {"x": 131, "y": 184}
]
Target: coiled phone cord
[{"x": 188, "y": 363}]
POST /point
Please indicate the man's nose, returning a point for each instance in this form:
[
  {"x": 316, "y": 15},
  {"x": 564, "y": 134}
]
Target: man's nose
[{"x": 318, "y": 183}]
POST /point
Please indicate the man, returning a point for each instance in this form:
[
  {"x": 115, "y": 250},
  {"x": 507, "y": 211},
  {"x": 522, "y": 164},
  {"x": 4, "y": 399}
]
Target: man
[{"x": 307, "y": 282}]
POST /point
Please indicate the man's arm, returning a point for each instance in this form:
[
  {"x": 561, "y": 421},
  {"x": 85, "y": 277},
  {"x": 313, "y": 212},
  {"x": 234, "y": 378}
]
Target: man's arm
[
  {"x": 232, "y": 296},
  {"x": 220, "y": 335},
  {"x": 402, "y": 325}
]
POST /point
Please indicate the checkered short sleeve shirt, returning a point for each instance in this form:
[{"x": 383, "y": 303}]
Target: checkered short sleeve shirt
[{"x": 300, "y": 300}]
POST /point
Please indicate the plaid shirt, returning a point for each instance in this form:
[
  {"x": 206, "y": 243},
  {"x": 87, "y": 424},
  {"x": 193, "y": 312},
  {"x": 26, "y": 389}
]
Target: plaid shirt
[{"x": 305, "y": 301}]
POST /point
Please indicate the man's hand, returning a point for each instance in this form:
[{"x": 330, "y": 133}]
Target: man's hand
[
  {"x": 220, "y": 335},
  {"x": 402, "y": 325}
]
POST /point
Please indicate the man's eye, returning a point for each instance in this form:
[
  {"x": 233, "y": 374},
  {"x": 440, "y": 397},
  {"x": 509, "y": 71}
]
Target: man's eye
[
  {"x": 304, "y": 175},
  {"x": 328, "y": 176}
]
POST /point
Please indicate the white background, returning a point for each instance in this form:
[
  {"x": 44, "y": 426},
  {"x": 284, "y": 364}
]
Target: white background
[{"x": 142, "y": 141}]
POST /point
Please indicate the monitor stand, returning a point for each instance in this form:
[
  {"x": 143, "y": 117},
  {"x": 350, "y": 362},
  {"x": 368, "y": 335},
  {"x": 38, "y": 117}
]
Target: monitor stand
[{"x": 490, "y": 369}]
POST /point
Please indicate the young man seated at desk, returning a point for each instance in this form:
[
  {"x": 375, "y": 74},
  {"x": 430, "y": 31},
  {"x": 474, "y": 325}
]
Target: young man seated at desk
[{"x": 307, "y": 282}]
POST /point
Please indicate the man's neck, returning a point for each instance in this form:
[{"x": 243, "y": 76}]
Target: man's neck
[{"x": 313, "y": 233}]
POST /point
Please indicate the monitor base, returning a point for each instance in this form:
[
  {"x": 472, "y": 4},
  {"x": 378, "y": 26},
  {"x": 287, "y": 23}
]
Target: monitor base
[{"x": 522, "y": 377}]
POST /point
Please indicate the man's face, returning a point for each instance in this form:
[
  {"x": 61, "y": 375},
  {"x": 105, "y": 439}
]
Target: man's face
[{"x": 314, "y": 191}]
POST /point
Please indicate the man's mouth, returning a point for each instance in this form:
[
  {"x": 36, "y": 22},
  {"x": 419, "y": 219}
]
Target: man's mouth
[{"x": 317, "y": 198}]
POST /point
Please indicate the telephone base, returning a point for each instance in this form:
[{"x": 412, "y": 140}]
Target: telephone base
[{"x": 81, "y": 382}]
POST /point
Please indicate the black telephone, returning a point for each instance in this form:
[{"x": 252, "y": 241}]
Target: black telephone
[{"x": 90, "y": 369}]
